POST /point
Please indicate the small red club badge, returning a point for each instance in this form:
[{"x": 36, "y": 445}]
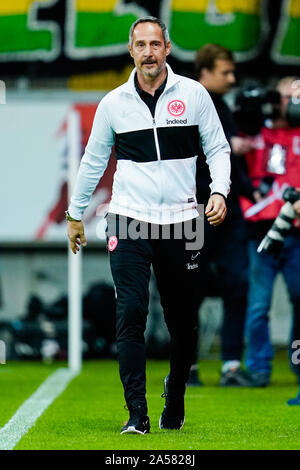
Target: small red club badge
[
  {"x": 176, "y": 107},
  {"x": 112, "y": 243}
]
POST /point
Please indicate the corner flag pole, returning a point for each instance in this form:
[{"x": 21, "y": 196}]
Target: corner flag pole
[{"x": 74, "y": 261}]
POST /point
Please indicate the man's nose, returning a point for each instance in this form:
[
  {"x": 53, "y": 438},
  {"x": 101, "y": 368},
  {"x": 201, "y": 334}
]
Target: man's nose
[
  {"x": 148, "y": 50},
  {"x": 231, "y": 78}
]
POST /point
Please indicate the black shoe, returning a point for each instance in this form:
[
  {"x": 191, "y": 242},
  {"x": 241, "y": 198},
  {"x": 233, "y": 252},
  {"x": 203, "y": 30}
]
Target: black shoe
[
  {"x": 260, "y": 379},
  {"x": 172, "y": 416},
  {"x": 236, "y": 378},
  {"x": 194, "y": 380},
  {"x": 138, "y": 422}
]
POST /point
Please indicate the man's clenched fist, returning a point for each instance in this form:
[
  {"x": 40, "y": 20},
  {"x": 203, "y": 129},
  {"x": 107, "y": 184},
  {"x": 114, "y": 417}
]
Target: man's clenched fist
[
  {"x": 76, "y": 235},
  {"x": 216, "y": 210}
]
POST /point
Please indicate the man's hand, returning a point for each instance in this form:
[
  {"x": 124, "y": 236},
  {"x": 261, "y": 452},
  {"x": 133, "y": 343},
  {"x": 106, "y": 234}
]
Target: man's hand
[
  {"x": 241, "y": 145},
  {"x": 216, "y": 210},
  {"x": 76, "y": 235},
  {"x": 257, "y": 196}
]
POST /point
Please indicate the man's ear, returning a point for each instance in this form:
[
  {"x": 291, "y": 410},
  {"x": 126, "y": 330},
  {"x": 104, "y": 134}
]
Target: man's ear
[
  {"x": 205, "y": 73},
  {"x": 168, "y": 48},
  {"x": 130, "y": 50}
]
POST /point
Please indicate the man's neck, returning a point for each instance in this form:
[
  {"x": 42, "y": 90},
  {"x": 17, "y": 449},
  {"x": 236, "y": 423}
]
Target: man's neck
[
  {"x": 150, "y": 85},
  {"x": 210, "y": 90}
]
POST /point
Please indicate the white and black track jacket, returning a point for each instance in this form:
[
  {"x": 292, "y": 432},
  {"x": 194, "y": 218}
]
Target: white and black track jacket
[{"x": 156, "y": 157}]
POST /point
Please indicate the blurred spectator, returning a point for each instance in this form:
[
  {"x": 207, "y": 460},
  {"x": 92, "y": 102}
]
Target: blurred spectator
[
  {"x": 276, "y": 157},
  {"x": 225, "y": 247}
]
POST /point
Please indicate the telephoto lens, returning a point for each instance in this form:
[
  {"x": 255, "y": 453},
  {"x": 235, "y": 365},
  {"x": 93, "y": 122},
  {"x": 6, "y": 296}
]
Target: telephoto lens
[
  {"x": 273, "y": 241},
  {"x": 290, "y": 194}
]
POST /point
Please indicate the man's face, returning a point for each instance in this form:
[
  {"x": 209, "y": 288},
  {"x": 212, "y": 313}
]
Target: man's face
[
  {"x": 286, "y": 92},
  {"x": 148, "y": 49},
  {"x": 221, "y": 78}
]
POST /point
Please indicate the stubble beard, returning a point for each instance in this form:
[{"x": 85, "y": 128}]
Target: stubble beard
[{"x": 151, "y": 74}]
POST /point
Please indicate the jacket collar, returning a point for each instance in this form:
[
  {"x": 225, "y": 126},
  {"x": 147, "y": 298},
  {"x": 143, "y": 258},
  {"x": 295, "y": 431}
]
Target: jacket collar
[{"x": 129, "y": 86}]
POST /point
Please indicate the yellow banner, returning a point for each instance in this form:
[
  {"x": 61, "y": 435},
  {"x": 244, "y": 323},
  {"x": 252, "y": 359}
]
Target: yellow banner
[
  {"x": 100, "y": 80},
  {"x": 198, "y": 6},
  {"x": 17, "y": 7},
  {"x": 294, "y": 9},
  {"x": 250, "y": 7},
  {"x": 102, "y": 6}
]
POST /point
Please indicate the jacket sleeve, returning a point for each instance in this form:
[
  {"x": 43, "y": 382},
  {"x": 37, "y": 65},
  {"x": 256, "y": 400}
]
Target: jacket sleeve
[
  {"x": 214, "y": 144},
  {"x": 93, "y": 162}
]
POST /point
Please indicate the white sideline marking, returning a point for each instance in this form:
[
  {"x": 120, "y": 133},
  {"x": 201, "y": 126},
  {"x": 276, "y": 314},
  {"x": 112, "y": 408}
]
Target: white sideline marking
[{"x": 26, "y": 416}]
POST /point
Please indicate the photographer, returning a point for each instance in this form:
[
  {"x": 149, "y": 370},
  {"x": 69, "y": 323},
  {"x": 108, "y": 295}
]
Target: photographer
[
  {"x": 225, "y": 247},
  {"x": 275, "y": 161}
]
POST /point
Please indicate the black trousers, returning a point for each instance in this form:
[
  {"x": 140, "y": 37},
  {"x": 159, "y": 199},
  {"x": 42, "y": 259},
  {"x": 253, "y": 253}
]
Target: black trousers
[{"x": 176, "y": 272}]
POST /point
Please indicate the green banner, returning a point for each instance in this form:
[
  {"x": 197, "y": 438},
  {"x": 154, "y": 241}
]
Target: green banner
[
  {"x": 286, "y": 47},
  {"x": 99, "y": 28},
  {"x": 23, "y": 36},
  {"x": 241, "y": 26}
]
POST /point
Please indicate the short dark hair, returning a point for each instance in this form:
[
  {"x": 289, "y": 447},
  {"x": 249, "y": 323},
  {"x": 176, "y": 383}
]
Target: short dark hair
[
  {"x": 206, "y": 57},
  {"x": 150, "y": 19}
]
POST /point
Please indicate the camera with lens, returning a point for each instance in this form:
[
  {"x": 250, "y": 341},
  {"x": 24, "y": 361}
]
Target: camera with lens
[
  {"x": 255, "y": 105},
  {"x": 274, "y": 239}
]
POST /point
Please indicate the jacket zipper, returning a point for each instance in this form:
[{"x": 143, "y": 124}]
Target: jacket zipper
[
  {"x": 154, "y": 129},
  {"x": 157, "y": 150},
  {"x": 156, "y": 140},
  {"x": 158, "y": 159}
]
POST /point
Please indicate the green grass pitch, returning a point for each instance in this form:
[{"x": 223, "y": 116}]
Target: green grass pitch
[{"x": 89, "y": 414}]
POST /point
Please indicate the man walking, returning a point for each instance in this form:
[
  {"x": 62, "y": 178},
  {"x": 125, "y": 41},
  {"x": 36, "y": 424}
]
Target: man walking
[{"x": 155, "y": 121}]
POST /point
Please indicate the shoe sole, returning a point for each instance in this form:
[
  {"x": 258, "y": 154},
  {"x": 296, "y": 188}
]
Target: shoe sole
[
  {"x": 171, "y": 429},
  {"x": 132, "y": 430}
]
